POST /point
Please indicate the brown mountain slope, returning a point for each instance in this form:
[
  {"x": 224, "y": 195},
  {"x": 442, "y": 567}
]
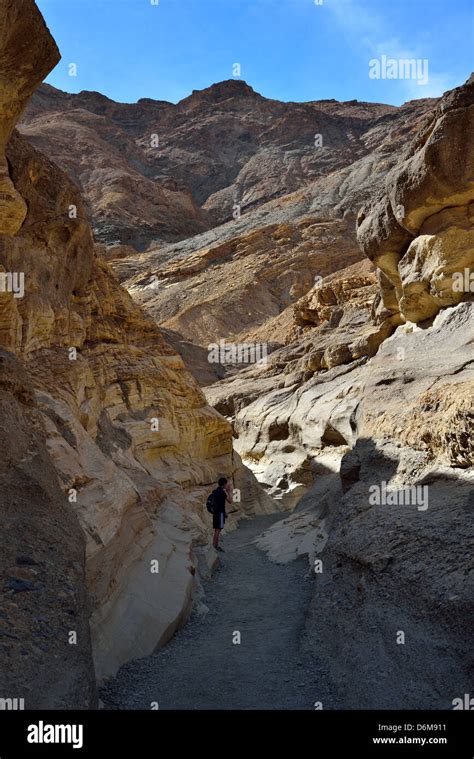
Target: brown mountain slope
[
  {"x": 154, "y": 171},
  {"x": 231, "y": 280}
]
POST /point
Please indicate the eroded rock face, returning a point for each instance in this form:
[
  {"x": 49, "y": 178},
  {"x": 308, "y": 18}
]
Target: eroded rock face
[
  {"x": 420, "y": 233},
  {"x": 20, "y": 74},
  {"x": 328, "y": 333},
  {"x": 226, "y": 291},
  {"x": 413, "y": 390},
  {"x": 400, "y": 423},
  {"x": 43, "y": 594},
  {"x": 307, "y": 397},
  {"x": 394, "y": 597},
  {"x": 43, "y": 597},
  {"x": 367, "y": 428},
  {"x": 103, "y": 374}
]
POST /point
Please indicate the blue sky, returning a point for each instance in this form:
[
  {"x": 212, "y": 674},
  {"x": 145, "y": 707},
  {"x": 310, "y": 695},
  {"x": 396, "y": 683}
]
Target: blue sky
[{"x": 287, "y": 49}]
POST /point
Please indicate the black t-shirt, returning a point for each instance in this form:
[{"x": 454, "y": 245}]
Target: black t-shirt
[{"x": 220, "y": 497}]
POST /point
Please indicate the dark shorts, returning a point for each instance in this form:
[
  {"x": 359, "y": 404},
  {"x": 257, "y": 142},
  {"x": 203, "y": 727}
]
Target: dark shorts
[{"x": 218, "y": 520}]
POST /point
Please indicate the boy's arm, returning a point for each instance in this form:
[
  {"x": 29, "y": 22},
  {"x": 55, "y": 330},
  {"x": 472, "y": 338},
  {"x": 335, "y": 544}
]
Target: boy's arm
[{"x": 229, "y": 492}]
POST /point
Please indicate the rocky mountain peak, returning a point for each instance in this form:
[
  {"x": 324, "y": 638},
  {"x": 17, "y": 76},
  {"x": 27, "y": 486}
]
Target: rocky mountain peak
[{"x": 229, "y": 88}]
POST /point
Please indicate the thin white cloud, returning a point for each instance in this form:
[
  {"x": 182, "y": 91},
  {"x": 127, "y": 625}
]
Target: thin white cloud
[{"x": 370, "y": 33}]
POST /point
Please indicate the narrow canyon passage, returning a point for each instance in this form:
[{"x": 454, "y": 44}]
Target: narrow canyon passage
[{"x": 202, "y": 668}]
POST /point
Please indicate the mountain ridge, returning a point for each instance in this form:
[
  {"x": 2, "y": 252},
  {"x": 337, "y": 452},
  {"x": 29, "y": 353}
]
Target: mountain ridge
[{"x": 154, "y": 172}]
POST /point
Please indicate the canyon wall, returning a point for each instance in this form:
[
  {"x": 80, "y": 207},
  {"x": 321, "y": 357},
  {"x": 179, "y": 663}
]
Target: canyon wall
[
  {"x": 123, "y": 444},
  {"x": 420, "y": 232},
  {"x": 369, "y": 430},
  {"x": 44, "y": 620},
  {"x": 306, "y": 401}
]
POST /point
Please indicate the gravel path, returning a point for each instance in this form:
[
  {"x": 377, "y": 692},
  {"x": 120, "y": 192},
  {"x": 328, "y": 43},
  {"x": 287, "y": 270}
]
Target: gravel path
[{"x": 201, "y": 667}]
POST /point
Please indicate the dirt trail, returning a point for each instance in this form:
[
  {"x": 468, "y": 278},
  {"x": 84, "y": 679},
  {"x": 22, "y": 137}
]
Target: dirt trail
[{"x": 201, "y": 668}]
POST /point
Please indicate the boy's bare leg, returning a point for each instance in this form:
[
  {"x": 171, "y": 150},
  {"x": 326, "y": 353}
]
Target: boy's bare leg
[{"x": 215, "y": 541}]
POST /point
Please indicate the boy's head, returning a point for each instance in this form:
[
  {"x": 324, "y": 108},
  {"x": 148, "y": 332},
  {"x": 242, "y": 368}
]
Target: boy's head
[{"x": 222, "y": 481}]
